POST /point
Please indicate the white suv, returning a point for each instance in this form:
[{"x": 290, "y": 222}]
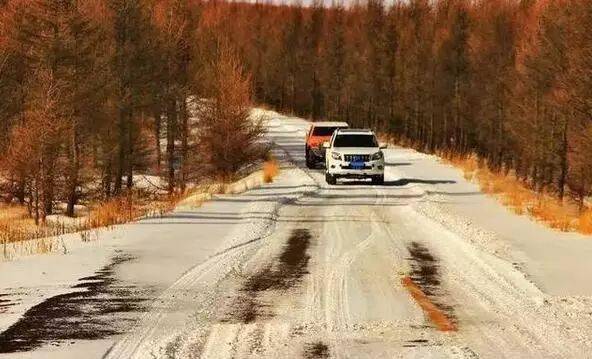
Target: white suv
[{"x": 354, "y": 153}]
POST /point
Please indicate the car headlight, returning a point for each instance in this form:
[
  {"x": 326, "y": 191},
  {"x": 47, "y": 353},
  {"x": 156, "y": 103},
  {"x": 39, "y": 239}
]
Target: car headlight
[
  {"x": 377, "y": 156},
  {"x": 336, "y": 156}
]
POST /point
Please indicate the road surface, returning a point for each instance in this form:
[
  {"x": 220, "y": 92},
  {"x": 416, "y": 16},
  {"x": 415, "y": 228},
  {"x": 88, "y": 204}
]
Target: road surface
[{"x": 301, "y": 269}]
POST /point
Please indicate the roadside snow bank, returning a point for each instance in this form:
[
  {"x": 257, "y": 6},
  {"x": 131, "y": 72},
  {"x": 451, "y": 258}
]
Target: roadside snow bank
[
  {"x": 207, "y": 191},
  {"x": 557, "y": 262}
]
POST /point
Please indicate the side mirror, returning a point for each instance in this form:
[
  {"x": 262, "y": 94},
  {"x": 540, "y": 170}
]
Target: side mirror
[
  {"x": 383, "y": 146},
  {"x": 326, "y": 145}
]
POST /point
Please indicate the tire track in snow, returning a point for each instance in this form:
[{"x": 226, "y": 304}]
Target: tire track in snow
[
  {"x": 142, "y": 341},
  {"x": 292, "y": 266}
]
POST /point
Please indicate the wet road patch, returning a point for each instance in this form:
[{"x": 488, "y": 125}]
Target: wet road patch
[
  {"x": 291, "y": 266},
  {"x": 316, "y": 350},
  {"x": 95, "y": 309},
  {"x": 424, "y": 285}
]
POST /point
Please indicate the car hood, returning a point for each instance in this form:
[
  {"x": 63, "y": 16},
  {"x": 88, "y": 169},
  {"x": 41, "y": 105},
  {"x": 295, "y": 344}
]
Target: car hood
[{"x": 356, "y": 150}]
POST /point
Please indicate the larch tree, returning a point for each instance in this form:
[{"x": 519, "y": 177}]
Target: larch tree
[{"x": 228, "y": 136}]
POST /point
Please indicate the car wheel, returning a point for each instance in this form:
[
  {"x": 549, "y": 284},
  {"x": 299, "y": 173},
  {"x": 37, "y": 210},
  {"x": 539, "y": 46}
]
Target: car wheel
[
  {"x": 379, "y": 180},
  {"x": 330, "y": 179},
  {"x": 310, "y": 162}
]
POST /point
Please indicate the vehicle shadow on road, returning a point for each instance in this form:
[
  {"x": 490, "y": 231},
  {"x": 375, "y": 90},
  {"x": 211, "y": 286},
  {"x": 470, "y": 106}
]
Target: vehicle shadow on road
[
  {"x": 400, "y": 182},
  {"x": 397, "y": 164},
  {"x": 406, "y": 181}
]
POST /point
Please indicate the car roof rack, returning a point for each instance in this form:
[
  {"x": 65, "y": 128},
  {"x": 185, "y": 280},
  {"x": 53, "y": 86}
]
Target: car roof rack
[
  {"x": 355, "y": 130},
  {"x": 330, "y": 124}
]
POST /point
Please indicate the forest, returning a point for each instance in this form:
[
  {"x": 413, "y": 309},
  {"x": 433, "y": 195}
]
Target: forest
[{"x": 99, "y": 90}]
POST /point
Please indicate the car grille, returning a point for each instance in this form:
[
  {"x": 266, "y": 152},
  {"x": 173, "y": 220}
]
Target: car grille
[{"x": 356, "y": 158}]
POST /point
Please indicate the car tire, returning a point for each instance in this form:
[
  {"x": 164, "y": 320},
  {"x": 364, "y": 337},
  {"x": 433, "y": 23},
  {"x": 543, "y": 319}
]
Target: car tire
[
  {"x": 330, "y": 179},
  {"x": 310, "y": 162},
  {"x": 378, "y": 180}
]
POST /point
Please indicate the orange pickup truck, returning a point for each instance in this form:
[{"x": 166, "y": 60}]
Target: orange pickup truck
[{"x": 319, "y": 133}]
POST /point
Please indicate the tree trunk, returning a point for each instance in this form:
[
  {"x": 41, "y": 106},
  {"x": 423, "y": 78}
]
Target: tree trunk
[
  {"x": 157, "y": 130},
  {"x": 130, "y": 150},
  {"x": 36, "y": 195},
  {"x": 20, "y": 191},
  {"x": 184, "y": 143},
  {"x": 48, "y": 185},
  {"x": 107, "y": 179},
  {"x": 171, "y": 136},
  {"x": 73, "y": 176},
  {"x": 564, "y": 161},
  {"x": 121, "y": 151}
]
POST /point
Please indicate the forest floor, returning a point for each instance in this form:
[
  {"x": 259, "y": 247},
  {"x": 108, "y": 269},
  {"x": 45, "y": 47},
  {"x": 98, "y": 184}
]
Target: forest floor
[{"x": 425, "y": 266}]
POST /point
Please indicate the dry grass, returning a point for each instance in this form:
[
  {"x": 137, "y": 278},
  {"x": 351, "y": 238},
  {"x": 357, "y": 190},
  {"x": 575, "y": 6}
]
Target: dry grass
[
  {"x": 270, "y": 170},
  {"x": 585, "y": 222},
  {"x": 19, "y": 234},
  {"x": 115, "y": 211},
  {"x": 127, "y": 208},
  {"x": 515, "y": 194},
  {"x": 16, "y": 225}
]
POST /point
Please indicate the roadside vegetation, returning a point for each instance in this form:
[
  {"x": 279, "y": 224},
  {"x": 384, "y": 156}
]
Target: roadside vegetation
[
  {"x": 564, "y": 215},
  {"x": 112, "y": 110}
]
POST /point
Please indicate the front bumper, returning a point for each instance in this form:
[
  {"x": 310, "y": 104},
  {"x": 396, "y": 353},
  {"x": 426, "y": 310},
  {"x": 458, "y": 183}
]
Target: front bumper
[{"x": 344, "y": 169}]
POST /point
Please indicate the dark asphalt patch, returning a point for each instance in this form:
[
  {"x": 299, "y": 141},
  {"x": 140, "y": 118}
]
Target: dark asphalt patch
[
  {"x": 316, "y": 350},
  {"x": 5, "y": 303},
  {"x": 425, "y": 273},
  {"x": 95, "y": 310},
  {"x": 287, "y": 273}
]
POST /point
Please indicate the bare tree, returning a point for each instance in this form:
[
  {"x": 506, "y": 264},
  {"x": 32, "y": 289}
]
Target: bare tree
[{"x": 228, "y": 135}]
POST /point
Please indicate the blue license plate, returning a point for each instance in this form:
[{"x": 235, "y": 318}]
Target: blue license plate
[{"x": 357, "y": 165}]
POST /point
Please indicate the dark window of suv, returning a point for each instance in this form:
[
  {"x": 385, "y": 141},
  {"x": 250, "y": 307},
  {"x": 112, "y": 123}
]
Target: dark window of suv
[
  {"x": 351, "y": 140},
  {"x": 324, "y": 131}
]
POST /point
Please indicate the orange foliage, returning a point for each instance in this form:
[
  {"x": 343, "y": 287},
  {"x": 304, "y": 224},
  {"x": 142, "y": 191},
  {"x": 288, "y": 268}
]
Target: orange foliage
[
  {"x": 270, "y": 170},
  {"x": 585, "y": 222}
]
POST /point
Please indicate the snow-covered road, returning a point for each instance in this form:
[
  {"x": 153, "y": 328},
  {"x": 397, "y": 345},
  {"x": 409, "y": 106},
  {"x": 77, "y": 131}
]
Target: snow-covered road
[{"x": 298, "y": 268}]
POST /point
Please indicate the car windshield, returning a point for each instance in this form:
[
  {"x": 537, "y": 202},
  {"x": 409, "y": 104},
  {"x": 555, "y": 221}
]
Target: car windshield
[
  {"x": 324, "y": 131},
  {"x": 351, "y": 140}
]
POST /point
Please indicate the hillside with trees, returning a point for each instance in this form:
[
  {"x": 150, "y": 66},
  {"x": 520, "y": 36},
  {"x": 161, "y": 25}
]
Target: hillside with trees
[{"x": 100, "y": 90}]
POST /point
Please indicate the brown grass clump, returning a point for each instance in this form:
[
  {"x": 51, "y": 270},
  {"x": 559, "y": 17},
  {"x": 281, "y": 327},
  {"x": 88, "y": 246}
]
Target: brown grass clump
[
  {"x": 114, "y": 211},
  {"x": 553, "y": 212},
  {"x": 469, "y": 164},
  {"x": 585, "y": 222},
  {"x": 16, "y": 225},
  {"x": 270, "y": 170},
  {"x": 516, "y": 195},
  {"x": 18, "y": 229},
  {"x": 128, "y": 208}
]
